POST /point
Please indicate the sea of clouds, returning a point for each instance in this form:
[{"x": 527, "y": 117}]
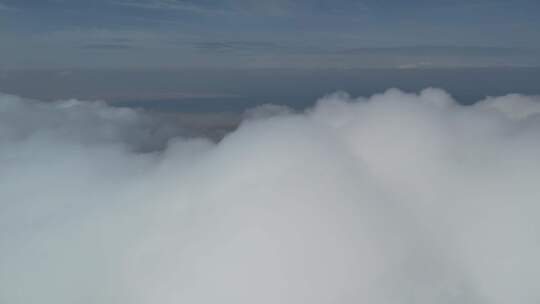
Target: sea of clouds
[{"x": 396, "y": 198}]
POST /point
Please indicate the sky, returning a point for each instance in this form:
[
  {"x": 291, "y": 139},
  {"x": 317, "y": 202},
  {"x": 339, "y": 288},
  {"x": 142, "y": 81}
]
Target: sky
[{"x": 99, "y": 34}]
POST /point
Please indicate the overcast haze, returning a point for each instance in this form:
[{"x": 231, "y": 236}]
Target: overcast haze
[{"x": 275, "y": 33}]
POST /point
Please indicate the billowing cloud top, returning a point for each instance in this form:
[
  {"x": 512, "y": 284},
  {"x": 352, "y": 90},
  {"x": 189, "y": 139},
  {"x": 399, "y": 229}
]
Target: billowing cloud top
[{"x": 396, "y": 198}]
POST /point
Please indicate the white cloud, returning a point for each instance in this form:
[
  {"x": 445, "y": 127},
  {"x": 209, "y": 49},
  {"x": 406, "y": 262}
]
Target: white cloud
[
  {"x": 389, "y": 199},
  {"x": 514, "y": 105}
]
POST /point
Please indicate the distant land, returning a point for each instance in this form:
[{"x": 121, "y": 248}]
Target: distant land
[{"x": 234, "y": 90}]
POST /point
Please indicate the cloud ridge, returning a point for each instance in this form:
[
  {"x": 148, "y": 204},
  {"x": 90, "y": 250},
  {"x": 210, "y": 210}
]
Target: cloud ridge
[{"x": 398, "y": 197}]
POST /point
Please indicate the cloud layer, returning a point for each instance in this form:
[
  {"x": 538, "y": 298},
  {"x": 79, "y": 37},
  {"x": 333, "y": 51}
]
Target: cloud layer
[{"x": 396, "y": 198}]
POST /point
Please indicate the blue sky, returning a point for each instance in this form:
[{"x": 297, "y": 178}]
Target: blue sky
[{"x": 60, "y": 34}]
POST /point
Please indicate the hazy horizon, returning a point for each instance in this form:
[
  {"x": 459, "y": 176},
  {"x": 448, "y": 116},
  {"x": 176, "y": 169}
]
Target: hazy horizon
[{"x": 216, "y": 90}]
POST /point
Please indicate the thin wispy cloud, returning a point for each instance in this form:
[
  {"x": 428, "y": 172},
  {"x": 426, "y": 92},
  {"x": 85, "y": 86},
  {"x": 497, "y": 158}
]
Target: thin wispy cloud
[
  {"x": 307, "y": 33},
  {"x": 238, "y": 46},
  {"x": 110, "y": 37},
  {"x": 442, "y": 50},
  {"x": 167, "y": 5},
  {"x": 107, "y": 47},
  {"x": 275, "y": 8}
]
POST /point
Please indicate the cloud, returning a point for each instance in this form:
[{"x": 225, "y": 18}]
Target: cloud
[
  {"x": 274, "y": 8},
  {"x": 394, "y": 198},
  {"x": 106, "y": 47},
  {"x": 103, "y": 36},
  {"x": 99, "y": 39},
  {"x": 174, "y": 5},
  {"x": 163, "y": 48},
  {"x": 443, "y": 50},
  {"x": 237, "y": 46},
  {"x": 229, "y": 7}
]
